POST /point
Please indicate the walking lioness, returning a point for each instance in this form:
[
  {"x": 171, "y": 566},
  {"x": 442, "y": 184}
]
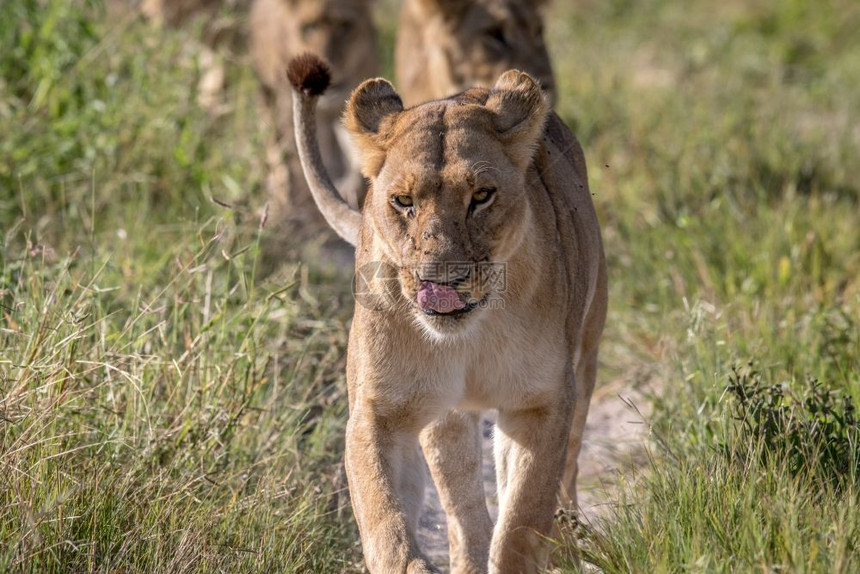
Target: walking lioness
[
  {"x": 446, "y": 46},
  {"x": 343, "y": 32},
  {"x": 481, "y": 284}
]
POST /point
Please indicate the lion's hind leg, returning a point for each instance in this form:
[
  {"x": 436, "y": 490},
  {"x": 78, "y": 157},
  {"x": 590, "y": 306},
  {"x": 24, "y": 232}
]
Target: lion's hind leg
[{"x": 586, "y": 376}]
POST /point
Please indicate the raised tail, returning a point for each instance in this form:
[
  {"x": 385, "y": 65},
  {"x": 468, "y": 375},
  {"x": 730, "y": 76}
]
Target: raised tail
[{"x": 310, "y": 76}]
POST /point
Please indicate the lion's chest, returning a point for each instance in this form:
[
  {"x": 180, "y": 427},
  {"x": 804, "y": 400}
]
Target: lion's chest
[{"x": 519, "y": 370}]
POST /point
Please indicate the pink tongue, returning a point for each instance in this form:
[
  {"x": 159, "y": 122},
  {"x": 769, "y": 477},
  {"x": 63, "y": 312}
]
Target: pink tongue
[{"x": 439, "y": 298}]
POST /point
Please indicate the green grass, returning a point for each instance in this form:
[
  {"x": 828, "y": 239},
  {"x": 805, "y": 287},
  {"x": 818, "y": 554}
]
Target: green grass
[
  {"x": 721, "y": 144},
  {"x": 169, "y": 404},
  {"x": 163, "y": 408},
  {"x": 148, "y": 429}
]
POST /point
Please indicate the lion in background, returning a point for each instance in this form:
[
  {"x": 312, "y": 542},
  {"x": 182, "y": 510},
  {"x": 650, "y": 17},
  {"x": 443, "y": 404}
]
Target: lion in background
[
  {"x": 343, "y": 32},
  {"x": 273, "y": 31},
  {"x": 446, "y": 46}
]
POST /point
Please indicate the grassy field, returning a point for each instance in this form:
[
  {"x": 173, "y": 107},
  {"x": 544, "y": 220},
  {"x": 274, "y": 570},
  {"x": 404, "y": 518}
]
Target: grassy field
[{"x": 171, "y": 402}]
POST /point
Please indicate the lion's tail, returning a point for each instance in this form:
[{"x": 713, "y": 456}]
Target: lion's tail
[{"x": 310, "y": 76}]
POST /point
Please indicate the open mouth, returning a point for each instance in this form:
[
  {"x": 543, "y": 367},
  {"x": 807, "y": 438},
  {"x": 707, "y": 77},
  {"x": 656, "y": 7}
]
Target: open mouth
[{"x": 468, "y": 308}]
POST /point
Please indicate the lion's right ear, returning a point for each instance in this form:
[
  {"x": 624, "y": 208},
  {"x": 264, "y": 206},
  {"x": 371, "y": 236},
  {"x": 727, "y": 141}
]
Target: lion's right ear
[
  {"x": 519, "y": 111},
  {"x": 370, "y": 112}
]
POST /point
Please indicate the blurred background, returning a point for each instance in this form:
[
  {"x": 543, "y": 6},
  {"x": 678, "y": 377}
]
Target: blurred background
[{"x": 172, "y": 392}]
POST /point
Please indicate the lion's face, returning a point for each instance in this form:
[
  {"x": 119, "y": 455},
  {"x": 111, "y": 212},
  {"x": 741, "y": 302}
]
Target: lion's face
[
  {"x": 449, "y": 210},
  {"x": 448, "y": 205},
  {"x": 341, "y": 31},
  {"x": 473, "y": 43}
]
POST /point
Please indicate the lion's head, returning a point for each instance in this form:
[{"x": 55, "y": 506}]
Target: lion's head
[
  {"x": 446, "y": 46},
  {"x": 341, "y": 31},
  {"x": 447, "y": 206}
]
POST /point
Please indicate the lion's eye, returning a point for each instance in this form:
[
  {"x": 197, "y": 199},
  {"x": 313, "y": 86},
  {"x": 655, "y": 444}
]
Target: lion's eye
[
  {"x": 483, "y": 195},
  {"x": 403, "y": 201}
]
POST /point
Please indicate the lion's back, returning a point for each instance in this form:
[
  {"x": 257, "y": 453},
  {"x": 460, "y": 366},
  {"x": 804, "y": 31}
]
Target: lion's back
[{"x": 560, "y": 173}]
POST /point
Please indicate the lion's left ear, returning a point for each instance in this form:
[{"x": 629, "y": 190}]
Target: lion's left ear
[
  {"x": 519, "y": 114},
  {"x": 371, "y": 110}
]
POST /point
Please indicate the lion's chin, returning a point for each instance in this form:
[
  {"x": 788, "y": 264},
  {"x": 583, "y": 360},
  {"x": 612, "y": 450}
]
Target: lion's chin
[{"x": 442, "y": 327}]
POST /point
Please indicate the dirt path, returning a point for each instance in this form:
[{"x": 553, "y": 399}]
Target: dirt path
[{"x": 613, "y": 439}]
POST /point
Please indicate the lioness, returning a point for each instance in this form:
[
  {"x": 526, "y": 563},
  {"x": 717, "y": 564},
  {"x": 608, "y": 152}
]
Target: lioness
[
  {"x": 446, "y": 46},
  {"x": 481, "y": 284},
  {"x": 343, "y": 32}
]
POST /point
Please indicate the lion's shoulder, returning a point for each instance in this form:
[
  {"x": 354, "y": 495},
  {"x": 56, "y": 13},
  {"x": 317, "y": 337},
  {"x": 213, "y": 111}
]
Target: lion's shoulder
[{"x": 561, "y": 140}]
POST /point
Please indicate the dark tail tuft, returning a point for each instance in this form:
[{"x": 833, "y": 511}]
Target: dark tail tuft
[{"x": 309, "y": 74}]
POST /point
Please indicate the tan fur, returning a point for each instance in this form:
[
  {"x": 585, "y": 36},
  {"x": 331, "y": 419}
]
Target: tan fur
[
  {"x": 446, "y": 46},
  {"x": 343, "y": 32},
  {"x": 529, "y": 351}
]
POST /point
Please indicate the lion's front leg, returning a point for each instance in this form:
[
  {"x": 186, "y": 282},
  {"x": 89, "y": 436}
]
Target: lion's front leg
[
  {"x": 452, "y": 446},
  {"x": 383, "y": 482},
  {"x": 531, "y": 447}
]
